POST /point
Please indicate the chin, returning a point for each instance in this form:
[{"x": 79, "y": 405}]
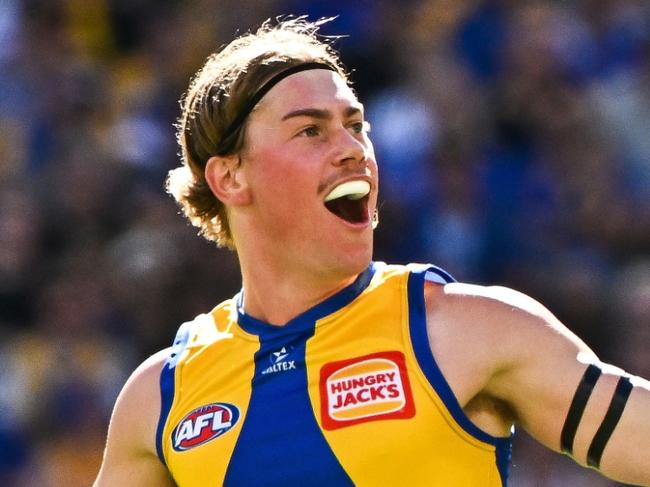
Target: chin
[
  {"x": 354, "y": 261},
  {"x": 342, "y": 255}
]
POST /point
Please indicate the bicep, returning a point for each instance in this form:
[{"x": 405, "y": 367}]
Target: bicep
[
  {"x": 539, "y": 377},
  {"x": 130, "y": 457},
  {"x": 541, "y": 373}
]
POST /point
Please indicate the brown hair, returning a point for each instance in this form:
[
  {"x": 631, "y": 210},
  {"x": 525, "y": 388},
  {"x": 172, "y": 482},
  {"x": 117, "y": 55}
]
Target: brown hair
[{"x": 216, "y": 95}]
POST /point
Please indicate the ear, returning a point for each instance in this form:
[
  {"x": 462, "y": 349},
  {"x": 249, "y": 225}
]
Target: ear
[{"x": 227, "y": 180}]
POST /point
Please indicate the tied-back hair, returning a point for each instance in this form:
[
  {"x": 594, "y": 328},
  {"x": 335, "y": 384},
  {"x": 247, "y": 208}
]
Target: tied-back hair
[{"x": 225, "y": 83}]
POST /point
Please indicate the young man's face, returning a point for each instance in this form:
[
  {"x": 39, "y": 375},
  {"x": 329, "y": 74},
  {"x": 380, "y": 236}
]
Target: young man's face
[{"x": 312, "y": 172}]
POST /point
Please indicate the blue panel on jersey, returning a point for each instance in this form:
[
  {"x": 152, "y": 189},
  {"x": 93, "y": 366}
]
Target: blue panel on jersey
[
  {"x": 280, "y": 443},
  {"x": 422, "y": 349},
  {"x": 167, "y": 378}
]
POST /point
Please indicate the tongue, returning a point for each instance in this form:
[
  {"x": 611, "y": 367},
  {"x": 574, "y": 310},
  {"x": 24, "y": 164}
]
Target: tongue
[{"x": 352, "y": 211}]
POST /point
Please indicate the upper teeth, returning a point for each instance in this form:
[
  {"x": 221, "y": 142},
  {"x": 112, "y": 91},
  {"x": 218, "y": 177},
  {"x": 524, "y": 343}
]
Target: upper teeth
[{"x": 352, "y": 189}]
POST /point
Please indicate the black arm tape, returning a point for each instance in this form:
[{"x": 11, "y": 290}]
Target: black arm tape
[
  {"x": 619, "y": 400},
  {"x": 577, "y": 407}
]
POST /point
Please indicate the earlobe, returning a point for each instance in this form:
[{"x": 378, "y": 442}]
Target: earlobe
[{"x": 227, "y": 181}]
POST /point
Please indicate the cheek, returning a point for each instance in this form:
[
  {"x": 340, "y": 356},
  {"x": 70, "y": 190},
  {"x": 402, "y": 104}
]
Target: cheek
[{"x": 281, "y": 184}]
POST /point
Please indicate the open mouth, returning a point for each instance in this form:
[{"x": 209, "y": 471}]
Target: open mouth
[{"x": 349, "y": 201}]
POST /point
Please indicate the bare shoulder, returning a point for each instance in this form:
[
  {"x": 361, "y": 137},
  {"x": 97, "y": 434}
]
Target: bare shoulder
[
  {"x": 145, "y": 378},
  {"x": 479, "y": 332},
  {"x": 130, "y": 454},
  {"x": 502, "y": 317},
  {"x": 498, "y": 301},
  {"x": 138, "y": 406}
]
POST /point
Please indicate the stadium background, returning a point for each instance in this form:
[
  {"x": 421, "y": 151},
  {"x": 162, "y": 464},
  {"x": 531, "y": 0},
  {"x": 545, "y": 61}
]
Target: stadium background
[{"x": 514, "y": 147}]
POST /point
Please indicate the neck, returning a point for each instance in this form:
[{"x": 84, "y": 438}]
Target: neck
[{"x": 278, "y": 295}]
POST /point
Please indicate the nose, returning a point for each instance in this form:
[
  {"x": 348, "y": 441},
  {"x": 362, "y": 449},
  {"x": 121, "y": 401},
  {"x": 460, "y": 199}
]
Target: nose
[{"x": 350, "y": 150}]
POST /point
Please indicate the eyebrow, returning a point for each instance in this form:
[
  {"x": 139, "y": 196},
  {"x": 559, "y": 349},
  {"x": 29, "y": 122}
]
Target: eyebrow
[{"x": 320, "y": 113}]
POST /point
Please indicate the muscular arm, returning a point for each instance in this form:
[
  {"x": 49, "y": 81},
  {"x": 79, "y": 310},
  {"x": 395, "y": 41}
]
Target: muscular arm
[
  {"x": 130, "y": 457},
  {"x": 528, "y": 361}
]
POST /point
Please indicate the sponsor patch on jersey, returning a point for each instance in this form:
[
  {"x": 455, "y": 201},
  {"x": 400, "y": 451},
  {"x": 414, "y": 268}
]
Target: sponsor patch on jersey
[
  {"x": 369, "y": 388},
  {"x": 204, "y": 424},
  {"x": 280, "y": 361}
]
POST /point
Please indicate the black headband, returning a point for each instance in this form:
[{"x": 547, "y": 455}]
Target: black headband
[{"x": 264, "y": 89}]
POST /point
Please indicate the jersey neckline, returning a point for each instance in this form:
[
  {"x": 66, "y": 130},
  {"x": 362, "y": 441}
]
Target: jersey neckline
[{"x": 307, "y": 319}]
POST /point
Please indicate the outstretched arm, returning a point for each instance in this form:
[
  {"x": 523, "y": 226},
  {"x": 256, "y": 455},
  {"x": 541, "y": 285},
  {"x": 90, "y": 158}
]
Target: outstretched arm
[
  {"x": 130, "y": 456},
  {"x": 536, "y": 367}
]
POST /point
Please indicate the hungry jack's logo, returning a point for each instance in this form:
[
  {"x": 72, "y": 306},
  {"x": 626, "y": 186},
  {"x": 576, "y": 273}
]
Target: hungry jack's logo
[{"x": 368, "y": 388}]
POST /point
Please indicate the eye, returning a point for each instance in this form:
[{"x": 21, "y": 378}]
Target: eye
[
  {"x": 360, "y": 127},
  {"x": 310, "y": 131}
]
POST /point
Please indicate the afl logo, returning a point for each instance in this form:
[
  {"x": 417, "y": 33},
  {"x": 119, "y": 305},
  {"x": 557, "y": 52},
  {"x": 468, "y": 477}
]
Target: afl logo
[{"x": 204, "y": 424}]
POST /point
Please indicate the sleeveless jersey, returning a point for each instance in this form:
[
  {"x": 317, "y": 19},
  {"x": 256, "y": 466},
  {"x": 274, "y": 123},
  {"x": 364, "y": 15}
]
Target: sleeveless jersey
[{"x": 347, "y": 393}]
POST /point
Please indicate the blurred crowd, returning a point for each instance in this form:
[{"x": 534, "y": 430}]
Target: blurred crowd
[{"x": 513, "y": 139}]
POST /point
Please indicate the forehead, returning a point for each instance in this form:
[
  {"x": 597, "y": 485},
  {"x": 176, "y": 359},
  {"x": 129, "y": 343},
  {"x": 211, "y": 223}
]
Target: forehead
[{"x": 318, "y": 88}]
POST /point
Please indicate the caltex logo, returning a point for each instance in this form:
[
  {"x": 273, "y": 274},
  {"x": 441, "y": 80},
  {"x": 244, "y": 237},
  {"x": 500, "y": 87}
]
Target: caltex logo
[{"x": 279, "y": 362}]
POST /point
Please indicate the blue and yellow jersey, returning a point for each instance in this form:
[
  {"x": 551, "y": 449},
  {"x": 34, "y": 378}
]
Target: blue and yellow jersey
[{"x": 347, "y": 393}]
